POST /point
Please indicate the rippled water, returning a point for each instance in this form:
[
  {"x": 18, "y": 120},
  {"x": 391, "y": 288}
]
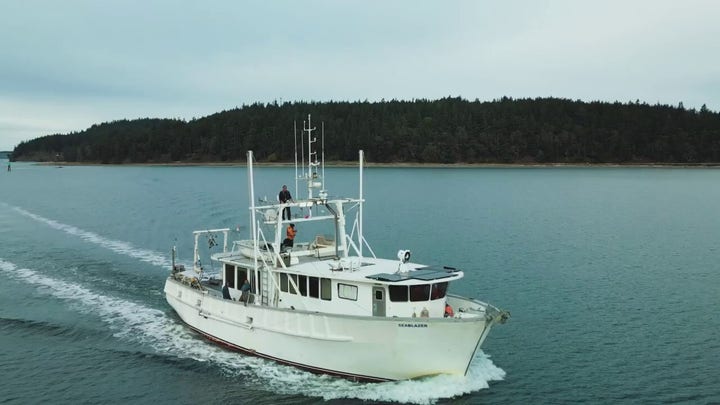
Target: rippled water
[{"x": 611, "y": 276}]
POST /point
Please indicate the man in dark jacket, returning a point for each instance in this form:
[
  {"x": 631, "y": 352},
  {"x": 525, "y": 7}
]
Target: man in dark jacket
[
  {"x": 284, "y": 197},
  {"x": 245, "y": 290}
]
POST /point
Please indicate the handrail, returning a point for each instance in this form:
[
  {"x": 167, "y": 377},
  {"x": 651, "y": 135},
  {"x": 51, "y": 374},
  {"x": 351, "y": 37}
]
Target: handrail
[{"x": 307, "y": 203}]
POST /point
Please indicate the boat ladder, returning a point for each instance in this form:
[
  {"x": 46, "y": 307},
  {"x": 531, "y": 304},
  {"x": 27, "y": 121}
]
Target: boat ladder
[{"x": 264, "y": 287}]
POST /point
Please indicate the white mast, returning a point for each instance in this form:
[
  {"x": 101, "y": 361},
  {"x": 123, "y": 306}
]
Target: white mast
[
  {"x": 251, "y": 193},
  {"x": 302, "y": 150},
  {"x": 296, "y": 166},
  {"x": 360, "y": 208},
  {"x": 312, "y": 163},
  {"x": 323, "y": 191}
]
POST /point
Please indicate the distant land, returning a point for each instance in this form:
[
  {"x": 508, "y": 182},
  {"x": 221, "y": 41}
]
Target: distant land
[
  {"x": 4, "y": 154},
  {"x": 446, "y": 131}
]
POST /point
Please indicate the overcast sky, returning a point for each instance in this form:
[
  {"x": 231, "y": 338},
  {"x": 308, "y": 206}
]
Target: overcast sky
[{"x": 65, "y": 65}]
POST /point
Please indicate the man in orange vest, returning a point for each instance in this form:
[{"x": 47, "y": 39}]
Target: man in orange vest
[
  {"x": 289, "y": 241},
  {"x": 449, "y": 311}
]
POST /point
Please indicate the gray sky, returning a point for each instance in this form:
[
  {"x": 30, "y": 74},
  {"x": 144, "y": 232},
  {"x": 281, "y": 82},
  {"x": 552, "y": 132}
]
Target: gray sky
[{"x": 65, "y": 65}]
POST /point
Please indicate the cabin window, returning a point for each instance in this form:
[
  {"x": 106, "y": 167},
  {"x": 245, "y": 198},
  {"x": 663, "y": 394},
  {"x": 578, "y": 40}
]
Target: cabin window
[
  {"x": 438, "y": 290},
  {"x": 302, "y": 285},
  {"x": 398, "y": 293},
  {"x": 419, "y": 292},
  {"x": 283, "y": 282},
  {"x": 347, "y": 291},
  {"x": 242, "y": 275},
  {"x": 314, "y": 287},
  {"x": 230, "y": 275},
  {"x": 291, "y": 287},
  {"x": 325, "y": 289},
  {"x": 378, "y": 295}
]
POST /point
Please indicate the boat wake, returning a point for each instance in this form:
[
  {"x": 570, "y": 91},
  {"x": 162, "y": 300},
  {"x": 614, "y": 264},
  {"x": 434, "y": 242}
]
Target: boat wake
[
  {"x": 153, "y": 328},
  {"x": 116, "y": 246},
  {"x": 128, "y": 320}
]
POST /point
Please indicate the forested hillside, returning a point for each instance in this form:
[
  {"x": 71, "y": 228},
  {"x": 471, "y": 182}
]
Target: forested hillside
[{"x": 449, "y": 130}]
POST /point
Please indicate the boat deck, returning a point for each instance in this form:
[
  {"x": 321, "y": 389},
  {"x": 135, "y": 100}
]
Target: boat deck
[{"x": 213, "y": 286}]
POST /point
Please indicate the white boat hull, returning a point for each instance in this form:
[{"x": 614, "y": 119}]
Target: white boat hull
[{"x": 357, "y": 347}]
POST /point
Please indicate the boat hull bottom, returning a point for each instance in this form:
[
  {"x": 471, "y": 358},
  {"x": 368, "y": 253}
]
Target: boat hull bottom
[{"x": 311, "y": 369}]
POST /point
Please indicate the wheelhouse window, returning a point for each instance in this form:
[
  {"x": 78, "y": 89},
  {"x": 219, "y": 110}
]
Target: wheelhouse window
[
  {"x": 398, "y": 293},
  {"x": 347, "y": 291},
  {"x": 230, "y": 275},
  {"x": 438, "y": 291},
  {"x": 314, "y": 287},
  {"x": 294, "y": 279},
  {"x": 419, "y": 292},
  {"x": 242, "y": 275},
  {"x": 325, "y": 289},
  {"x": 302, "y": 285}
]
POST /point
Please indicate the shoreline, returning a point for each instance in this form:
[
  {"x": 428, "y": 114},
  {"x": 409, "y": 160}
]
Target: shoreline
[{"x": 414, "y": 165}]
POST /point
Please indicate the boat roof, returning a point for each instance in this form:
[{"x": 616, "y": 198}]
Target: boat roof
[
  {"x": 428, "y": 273},
  {"x": 374, "y": 270}
]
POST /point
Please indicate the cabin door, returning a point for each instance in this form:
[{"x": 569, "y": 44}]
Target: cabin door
[{"x": 378, "y": 301}]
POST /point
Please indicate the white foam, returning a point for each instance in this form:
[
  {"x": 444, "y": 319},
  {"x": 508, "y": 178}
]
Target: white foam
[
  {"x": 422, "y": 391},
  {"x": 116, "y": 246},
  {"x": 134, "y": 322},
  {"x": 128, "y": 320}
]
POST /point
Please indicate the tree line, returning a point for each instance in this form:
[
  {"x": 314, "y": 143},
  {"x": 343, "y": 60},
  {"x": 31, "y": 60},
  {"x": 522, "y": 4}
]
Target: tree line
[{"x": 448, "y": 130}]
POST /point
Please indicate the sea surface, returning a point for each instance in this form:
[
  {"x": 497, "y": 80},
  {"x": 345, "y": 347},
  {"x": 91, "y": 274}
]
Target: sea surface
[{"x": 612, "y": 276}]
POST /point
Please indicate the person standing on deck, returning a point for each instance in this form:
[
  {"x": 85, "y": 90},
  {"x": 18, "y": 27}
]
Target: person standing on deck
[
  {"x": 245, "y": 291},
  {"x": 284, "y": 197},
  {"x": 226, "y": 291}
]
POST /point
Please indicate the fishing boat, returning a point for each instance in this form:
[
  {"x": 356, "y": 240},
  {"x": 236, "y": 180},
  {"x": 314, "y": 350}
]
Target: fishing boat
[{"x": 326, "y": 303}]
